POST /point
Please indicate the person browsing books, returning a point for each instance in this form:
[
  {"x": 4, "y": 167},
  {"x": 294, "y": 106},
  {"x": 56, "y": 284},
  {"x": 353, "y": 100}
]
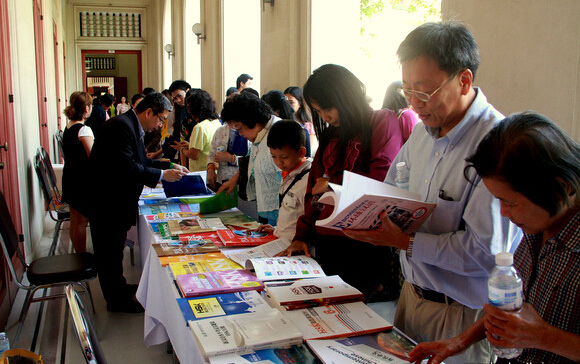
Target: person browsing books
[
  {"x": 522, "y": 148},
  {"x": 355, "y": 138},
  {"x": 287, "y": 143},
  {"x": 446, "y": 263},
  {"x": 119, "y": 169},
  {"x": 253, "y": 119}
]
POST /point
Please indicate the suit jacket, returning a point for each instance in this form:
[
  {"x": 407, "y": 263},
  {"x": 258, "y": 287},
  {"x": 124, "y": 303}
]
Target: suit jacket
[{"x": 119, "y": 169}]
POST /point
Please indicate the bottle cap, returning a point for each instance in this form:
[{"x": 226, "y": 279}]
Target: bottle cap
[
  {"x": 401, "y": 165},
  {"x": 504, "y": 258}
]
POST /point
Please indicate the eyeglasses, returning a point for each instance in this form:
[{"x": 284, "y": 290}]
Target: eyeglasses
[
  {"x": 162, "y": 120},
  {"x": 421, "y": 96}
]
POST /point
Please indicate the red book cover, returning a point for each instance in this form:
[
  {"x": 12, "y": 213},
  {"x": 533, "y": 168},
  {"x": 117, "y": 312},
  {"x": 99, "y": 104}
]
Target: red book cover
[
  {"x": 243, "y": 237},
  {"x": 211, "y": 235}
]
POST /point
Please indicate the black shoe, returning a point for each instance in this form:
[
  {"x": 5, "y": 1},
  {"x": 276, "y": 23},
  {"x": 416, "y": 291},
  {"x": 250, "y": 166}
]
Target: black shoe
[
  {"x": 132, "y": 288},
  {"x": 127, "y": 306}
]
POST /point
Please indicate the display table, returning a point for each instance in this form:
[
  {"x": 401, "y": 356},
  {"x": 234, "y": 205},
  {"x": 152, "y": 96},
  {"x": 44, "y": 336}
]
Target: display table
[{"x": 158, "y": 295}]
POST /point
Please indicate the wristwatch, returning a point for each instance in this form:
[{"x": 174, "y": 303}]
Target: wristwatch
[{"x": 409, "y": 251}]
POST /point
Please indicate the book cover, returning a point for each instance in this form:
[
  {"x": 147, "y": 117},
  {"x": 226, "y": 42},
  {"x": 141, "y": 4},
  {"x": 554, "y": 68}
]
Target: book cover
[
  {"x": 292, "y": 355},
  {"x": 161, "y": 229},
  {"x": 194, "y": 224},
  {"x": 312, "y": 292},
  {"x": 178, "y": 247},
  {"x": 165, "y": 216},
  {"x": 210, "y": 235},
  {"x": 241, "y": 256},
  {"x": 200, "y": 266},
  {"x": 189, "y": 258},
  {"x": 222, "y": 305},
  {"x": 277, "y": 268},
  {"x": 338, "y": 320},
  {"x": 357, "y": 208},
  {"x": 216, "y": 203},
  {"x": 201, "y": 284},
  {"x": 244, "y": 333},
  {"x": 239, "y": 220},
  {"x": 241, "y": 237},
  {"x": 359, "y": 349},
  {"x": 167, "y": 207}
]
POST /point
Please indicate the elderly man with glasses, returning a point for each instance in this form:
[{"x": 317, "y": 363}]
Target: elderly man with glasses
[{"x": 446, "y": 263}]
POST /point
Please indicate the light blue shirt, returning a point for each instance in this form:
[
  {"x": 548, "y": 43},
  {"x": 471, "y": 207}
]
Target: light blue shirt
[{"x": 453, "y": 252}]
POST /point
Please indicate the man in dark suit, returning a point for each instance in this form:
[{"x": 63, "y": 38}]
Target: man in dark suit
[{"x": 120, "y": 168}]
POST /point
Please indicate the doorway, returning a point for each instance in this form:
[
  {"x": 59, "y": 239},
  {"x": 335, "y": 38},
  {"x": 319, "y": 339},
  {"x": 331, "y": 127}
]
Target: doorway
[{"x": 116, "y": 72}]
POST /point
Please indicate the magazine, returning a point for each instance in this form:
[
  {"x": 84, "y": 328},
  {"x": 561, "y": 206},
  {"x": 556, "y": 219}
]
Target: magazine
[
  {"x": 201, "y": 284},
  {"x": 224, "y": 304},
  {"x": 178, "y": 247},
  {"x": 241, "y": 256},
  {"x": 278, "y": 268},
  {"x": 244, "y": 237},
  {"x": 358, "y": 208}
]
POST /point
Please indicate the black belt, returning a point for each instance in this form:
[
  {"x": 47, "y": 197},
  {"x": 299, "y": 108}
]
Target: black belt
[{"x": 432, "y": 295}]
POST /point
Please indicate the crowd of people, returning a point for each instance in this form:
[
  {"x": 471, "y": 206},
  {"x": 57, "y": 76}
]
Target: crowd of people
[{"x": 499, "y": 184}]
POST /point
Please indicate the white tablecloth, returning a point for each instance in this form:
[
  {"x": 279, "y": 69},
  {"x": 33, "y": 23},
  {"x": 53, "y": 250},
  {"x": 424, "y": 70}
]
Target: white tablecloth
[{"x": 157, "y": 293}]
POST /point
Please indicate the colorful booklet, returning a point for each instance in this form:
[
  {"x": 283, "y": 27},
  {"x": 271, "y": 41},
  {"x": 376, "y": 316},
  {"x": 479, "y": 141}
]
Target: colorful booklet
[
  {"x": 211, "y": 235},
  {"x": 277, "y": 268},
  {"x": 167, "y": 207},
  {"x": 189, "y": 258},
  {"x": 178, "y": 247},
  {"x": 241, "y": 256},
  {"x": 244, "y": 333},
  {"x": 201, "y": 284},
  {"x": 165, "y": 216},
  {"x": 194, "y": 225},
  {"x": 292, "y": 355},
  {"x": 216, "y": 203},
  {"x": 360, "y": 208},
  {"x": 339, "y": 320},
  {"x": 224, "y": 304},
  {"x": 311, "y": 292},
  {"x": 200, "y": 266},
  {"x": 244, "y": 237},
  {"x": 361, "y": 349},
  {"x": 238, "y": 220}
]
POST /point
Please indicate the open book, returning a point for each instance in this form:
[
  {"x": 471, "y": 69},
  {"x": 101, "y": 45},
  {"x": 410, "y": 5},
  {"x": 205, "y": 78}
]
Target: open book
[{"x": 359, "y": 202}]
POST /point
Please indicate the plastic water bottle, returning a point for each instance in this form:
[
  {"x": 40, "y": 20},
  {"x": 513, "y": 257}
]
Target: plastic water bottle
[
  {"x": 402, "y": 177},
  {"x": 4, "y": 343},
  {"x": 505, "y": 292}
]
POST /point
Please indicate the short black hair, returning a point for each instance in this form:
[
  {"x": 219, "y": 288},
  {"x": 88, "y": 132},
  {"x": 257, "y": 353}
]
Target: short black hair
[
  {"x": 450, "y": 44},
  {"x": 201, "y": 105},
  {"x": 156, "y": 101},
  {"x": 251, "y": 91},
  {"x": 246, "y": 109},
  {"x": 535, "y": 156},
  {"x": 287, "y": 133},
  {"x": 243, "y": 78},
  {"x": 136, "y": 97},
  {"x": 179, "y": 85},
  {"x": 106, "y": 99},
  {"x": 231, "y": 90},
  {"x": 147, "y": 90}
]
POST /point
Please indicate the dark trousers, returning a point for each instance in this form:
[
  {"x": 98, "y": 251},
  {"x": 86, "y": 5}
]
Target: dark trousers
[
  {"x": 360, "y": 264},
  {"x": 108, "y": 243}
]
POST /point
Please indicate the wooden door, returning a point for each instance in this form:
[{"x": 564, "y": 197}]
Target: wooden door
[
  {"x": 8, "y": 161},
  {"x": 40, "y": 73}
]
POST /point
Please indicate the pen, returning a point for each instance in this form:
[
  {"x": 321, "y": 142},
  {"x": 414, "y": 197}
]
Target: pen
[{"x": 443, "y": 196}]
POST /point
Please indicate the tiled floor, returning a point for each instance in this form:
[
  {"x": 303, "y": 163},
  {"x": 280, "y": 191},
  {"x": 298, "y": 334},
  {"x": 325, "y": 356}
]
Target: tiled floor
[{"x": 120, "y": 334}]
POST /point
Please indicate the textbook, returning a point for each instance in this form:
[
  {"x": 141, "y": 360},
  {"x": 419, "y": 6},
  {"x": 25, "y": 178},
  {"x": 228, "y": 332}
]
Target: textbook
[
  {"x": 360, "y": 208},
  {"x": 243, "y": 237},
  {"x": 224, "y": 304},
  {"x": 359, "y": 349},
  {"x": 292, "y": 355},
  {"x": 194, "y": 224},
  {"x": 201, "y": 284},
  {"x": 277, "y": 268},
  {"x": 244, "y": 333},
  {"x": 311, "y": 292},
  {"x": 178, "y": 247},
  {"x": 338, "y": 320},
  {"x": 201, "y": 266},
  {"x": 189, "y": 258},
  {"x": 210, "y": 235}
]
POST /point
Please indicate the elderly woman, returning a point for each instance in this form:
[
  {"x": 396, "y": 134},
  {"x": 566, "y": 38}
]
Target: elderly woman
[{"x": 533, "y": 168}]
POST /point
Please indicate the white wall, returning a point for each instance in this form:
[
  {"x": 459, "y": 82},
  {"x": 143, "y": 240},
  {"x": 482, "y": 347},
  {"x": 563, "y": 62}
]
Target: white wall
[{"x": 530, "y": 55}]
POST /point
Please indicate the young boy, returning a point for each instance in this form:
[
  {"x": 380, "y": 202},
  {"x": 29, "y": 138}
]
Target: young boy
[{"x": 287, "y": 143}]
